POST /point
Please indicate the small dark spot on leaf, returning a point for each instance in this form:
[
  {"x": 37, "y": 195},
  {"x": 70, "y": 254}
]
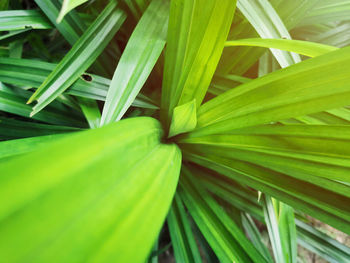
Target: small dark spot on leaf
[{"x": 86, "y": 77}]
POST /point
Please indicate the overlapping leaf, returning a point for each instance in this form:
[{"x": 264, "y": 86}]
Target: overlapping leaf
[
  {"x": 293, "y": 163},
  {"x": 80, "y": 57},
  {"x": 182, "y": 238},
  {"x": 67, "y": 6},
  {"x": 301, "y": 47},
  {"x": 22, "y": 19},
  {"x": 308, "y": 87},
  {"x": 91, "y": 190},
  {"x": 23, "y": 72},
  {"x": 221, "y": 232},
  {"x": 137, "y": 61},
  {"x": 196, "y": 35}
]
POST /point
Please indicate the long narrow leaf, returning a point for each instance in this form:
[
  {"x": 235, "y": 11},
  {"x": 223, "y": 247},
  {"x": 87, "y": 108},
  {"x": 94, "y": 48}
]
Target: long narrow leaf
[
  {"x": 22, "y": 19},
  {"x": 301, "y": 47},
  {"x": 196, "y": 36},
  {"x": 80, "y": 57},
  {"x": 311, "y": 86},
  {"x": 137, "y": 61},
  {"x": 25, "y": 72}
]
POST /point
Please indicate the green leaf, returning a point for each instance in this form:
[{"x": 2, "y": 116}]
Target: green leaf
[
  {"x": 72, "y": 27},
  {"x": 327, "y": 11},
  {"x": 92, "y": 189},
  {"x": 255, "y": 236},
  {"x": 279, "y": 219},
  {"x": 67, "y": 6},
  {"x": 221, "y": 232},
  {"x": 321, "y": 244},
  {"x": 184, "y": 118},
  {"x": 184, "y": 244},
  {"x": 91, "y": 111},
  {"x": 138, "y": 7},
  {"x": 14, "y": 35},
  {"x": 25, "y": 72},
  {"x": 272, "y": 227},
  {"x": 196, "y": 36},
  {"x": 221, "y": 83},
  {"x": 23, "y": 19},
  {"x": 268, "y": 24},
  {"x": 311, "y": 86},
  {"x": 318, "y": 160},
  {"x": 12, "y": 129},
  {"x": 137, "y": 61},
  {"x": 18, "y": 147},
  {"x": 301, "y": 47},
  {"x": 288, "y": 232},
  {"x": 80, "y": 57},
  {"x": 55, "y": 114}
]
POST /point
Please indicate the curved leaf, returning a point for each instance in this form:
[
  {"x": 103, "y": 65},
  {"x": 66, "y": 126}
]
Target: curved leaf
[
  {"x": 314, "y": 85},
  {"x": 80, "y": 57},
  {"x": 85, "y": 195},
  {"x": 196, "y": 36},
  {"x": 306, "y": 48},
  {"x": 137, "y": 61},
  {"x": 67, "y": 6}
]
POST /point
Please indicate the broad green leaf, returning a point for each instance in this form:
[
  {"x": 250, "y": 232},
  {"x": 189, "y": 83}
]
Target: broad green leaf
[
  {"x": 80, "y": 57},
  {"x": 306, "y": 48},
  {"x": 67, "y": 6},
  {"x": 267, "y": 23},
  {"x": 196, "y": 37},
  {"x": 25, "y": 72},
  {"x": 112, "y": 177},
  {"x": 221, "y": 232},
  {"x": 23, "y": 19},
  {"x": 137, "y": 61},
  {"x": 314, "y": 85},
  {"x": 184, "y": 118},
  {"x": 13, "y": 148},
  {"x": 12, "y": 129},
  {"x": 183, "y": 242}
]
